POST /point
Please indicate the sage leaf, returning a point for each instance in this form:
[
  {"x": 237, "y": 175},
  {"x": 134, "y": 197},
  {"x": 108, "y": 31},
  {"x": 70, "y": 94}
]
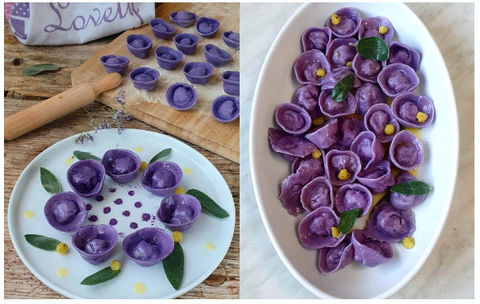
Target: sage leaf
[
  {"x": 84, "y": 155},
  {"x": 173, "y": 265},
  {"x": 101, "y": 276},
  {"x": 208, "y": 205},
  {"x": 373, "y": 48},
  {"x": 42, "y": 242},
  {"x": 343, "y": 87},
  {"x": 347, "y": 220},
  {"x": 162, "y": 155},
  {"x": 39, "y": 68},
  {"x": 49, "y": 181},
  {"x": 411, "y": 188}
]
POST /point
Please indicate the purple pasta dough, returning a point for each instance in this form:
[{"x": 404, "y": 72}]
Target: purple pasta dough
[
  {"x": 348, "y": 129},
  {"x": 178, "y": 212},
  {"x": 340, "y": 52},
  {"x": 402, "y": 53},
  {"x": 366, "y": 69},
  {"x": 324, "y": 136},
  {"x": 216, "y": 56},
  {"x": 406, "y": 151},
  {"x": 161, "y": 177},
  {"x": 314, "y": 230},
  {"x": 65, "y": 211},
  {"x": 95, "y": 243},
  {"x": 388, "y": 224},
  {"x": 333, "y": 259},
  {"x": 308, "y": 165},
  {"x": 370, "y": 150},
  {"x": 181, "y": 96},
  {"x": 405, "y": 108},
  {"x": 226, "y": 108},
  {"x": 316, "y": 38},
  {"x": 186, "y": 43},
  {"x": 207, "y": 27},
  {"x": 162, "y": 29},
  {"x": 144, "y": 78},
  {"x": 86, "y": 177},
  {"x": 290, "y": 192},
  {"x": 317, "y": 193},
  {"x": 115, "y": 64},
  {"x": 370, "y": 28},
  {"x": 232, "y": 39},
  {"x": 367, "y": 95},
  {"x": 285, "y": 143},
  {"x": 293, "y": 118},
  {"x": 403, "y": 201},
  {"x": 139, "y": 45},
  {"x": 198, "y": 72},
  {"x": 352, "y": 196},
  {"x": 121, "y": 165},
  {"x": 397, "y": 78},
  {"x": 336, "y": 160},
  {"x": 308, "y": 64},
  {"x": 371, "y": 253},
  {"x": 334, "y": 76},
  {"x": 350, "y": 21},
  {"x": 307, "y": 97},
  {"x": 147, "y": 246},
  {"x": 183, "y": 18},
  {"x": 377, "y": 118},
  {"x": 231, "y": 82},
  {"x": 334, "y": 109},
  {"x": 167, "y": 58},
  {"x": 378, "y": 177}
]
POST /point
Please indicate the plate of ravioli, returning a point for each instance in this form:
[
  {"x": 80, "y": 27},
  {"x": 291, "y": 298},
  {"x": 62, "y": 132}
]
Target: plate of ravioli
[
  {"x": 122, "y": 198},
  {"x": 354, "y": 173}
]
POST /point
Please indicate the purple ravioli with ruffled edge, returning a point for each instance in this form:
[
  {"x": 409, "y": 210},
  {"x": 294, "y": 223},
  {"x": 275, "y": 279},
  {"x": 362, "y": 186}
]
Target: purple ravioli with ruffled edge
[
  {"x": 317, "y": 193},
  {"x": 292, "y": 118},
  {"x": 181, "y": 96},
  {"x": 316, "y": 38},
  {"x": 403, "y": 201},
  {"x": 370, "y": 252},
  {"x": 121, "y": 165},
  {"x": 308, "y": 65},
  {"x": 147, "y": 246},
  {"x": 377, "y": 118},
  {"x": 397, "y": 78},
  {"x": 65, "y": 211},
  {"x": 353, "y": 196},
  {"x": 333, "y": 259},
  {"x": 406, "y": 107},
  {"x": 337, "y": 160},
  {"x": 378, "y": 177},
  {"x": 285, "y": 143},
  {"x": 226, "y": 108},
  {"x": 86, "y": 177},
  {"x": 178, "y": 212},
  {"x": 95, "y": 243},
  {"x": 161, "y": 177},
  {"x": 370, "y": 150},
  {"x": 314, "y": 230},
  {"x": 350, "y": 21},
  {"x": 406, "y": 151}
]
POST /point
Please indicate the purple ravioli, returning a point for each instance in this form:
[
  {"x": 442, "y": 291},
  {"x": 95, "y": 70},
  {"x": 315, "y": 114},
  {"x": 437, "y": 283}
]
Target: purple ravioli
[
  {"x": 231, "y": 82},
  {"x": 403, "y": 201},
  {"x": 226, "y": 108},
  {"x": 181, "y": 96},
  {"x": 178, "y": 212},
  {"x": 352, "y": 196},
  {"x": 65, "y": 211},
  {"x": 293, "y": 118},
  {"x": 308, "y": 66},
  {"x": 215, "y": 55},
  {"x": 86, "y": 177},
  {"x": 406, "y": 107},
  {"x": 334, "y": 109},
  {"x": 378, "y": 177},
  {"x": 207, "y": 27},
  {"x": 186, "y": 43},
  {"x": 370, "y": 150},
  {"x": 367, "y": 95},
  {"x": 316, "y": 38},
  {"x": 115, "y": 64},
  {"x": 370, "y": 28},
  {"x": 336, "y": 160},
  {"x": 348, "y": 130},
  {"x": 168, "y": 58},
  {"x": 144, "y": 78},
  {"x": 232, "y": 39},
  {"x": 340, "y": 52},
  {"x": 397, "y": 78},
  {"x": 388, "y": 224},
  {"x": 350, "y": 21},
  {"x": 285, "y": 143},
  {"x": 95, "y": 243},
  {"x": 333, "y": 259},
  {"x": 324, "y": 136},
  {"x": 334, "y": 76},
  {"x": 162, "y": 29},
  {"x": 148, "y": 246},
  {"x": 121, "y": 165},
  {"x": 307, "y": 97},
  {"x": 290, "y": 192},
  {"x": 139, "y": 45},
  {"x": 317, "y": 193},
  {"x": 377, "y": 118},
  {"x": 183, "y": 18},
  {"x": 366, "y": 69},
  {"x": 198, "y": 72},
  {"x": 402, "y": 53},
  {"x": 314, "y": 230},
  {"x": 371, "y": 253},
  {"x": 406, "y": 151},
  {"x": 308, "y": 165},
  {"x": 161, "y": 177}
]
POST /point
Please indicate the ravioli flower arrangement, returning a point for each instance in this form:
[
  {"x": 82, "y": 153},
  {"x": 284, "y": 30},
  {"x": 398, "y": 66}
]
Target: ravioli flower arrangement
[
  {"x": 66, "y": 211},
  {"x": 348, "y": 135}
]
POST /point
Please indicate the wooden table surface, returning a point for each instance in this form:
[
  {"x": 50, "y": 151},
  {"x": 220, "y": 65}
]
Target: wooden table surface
[{"x": 21, "y": 92}]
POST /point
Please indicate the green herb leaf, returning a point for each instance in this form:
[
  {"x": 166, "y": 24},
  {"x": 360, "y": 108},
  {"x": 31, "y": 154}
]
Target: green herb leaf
[
  {"x": 49, "y": 181},
  {"x": 411, "y": 188},
  {"x": 208, "y": 205},
  {"x": 347, "y": 220},
  {"x": 173, "y": 265},
  {"x": 373, "y": 48},
  {"x": 162, "y": 155},
  {"x": 101, "y": 276},
  {"x": 341, "y": 89},
  {"x": 42, "y": 242},
  {"x": 39, "y": 68},
  {"x": 84, "y": 155}
]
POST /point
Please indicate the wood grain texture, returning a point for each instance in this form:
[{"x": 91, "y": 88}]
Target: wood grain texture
[
  {"x": 21, "y": 92},
  {"x": 196, "y": 125}
]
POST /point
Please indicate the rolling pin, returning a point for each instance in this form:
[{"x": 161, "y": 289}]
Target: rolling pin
[{"x": 57, "y": 106}]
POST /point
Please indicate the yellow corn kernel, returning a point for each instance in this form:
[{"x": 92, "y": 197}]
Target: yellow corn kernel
[
  {"x": 318, "y": 121},
  {"x": 348, "y": 64},
  {"x": 316, "y": 154},
  {"x": 62, "y": 248},
  {"x": 177, "y": 236},
  {"x": 335, "y": 232},
  {"x": 383, "y": 29},
  {"x": 421, "y": 117},
  {"x": 335, "y": 19},
  {"x": 321, "y": 73},
  {"x": 343, "y": 175},
  {"x": 179, "y": 190},
  {"x": 389, "y": 129},
  {"x": 408, "y": 242},
  {"x": 143, "y": 166},
  {"x": 115, "y": 265}
]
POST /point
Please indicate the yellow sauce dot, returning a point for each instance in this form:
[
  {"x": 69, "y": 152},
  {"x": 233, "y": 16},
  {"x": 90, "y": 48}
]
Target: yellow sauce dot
[
  {"x": 343, "y": 175},
  {"x": 415, "y": 131},
  {"x": 62, "y": 272},
  {"x": 349, "y": 64},
  {"x": 389, "y": 129},
  {"x": 138, "y": 149},
  {"x": 180, "y": 190},
  {"x": 383, "y": 29},
  {"x": 321, "y": 73},
  {"x": 187, "y": 171},
  {"x": 318, "y": 121},
  {"x": 334, "y": 231},
  {"x": 139, "y": 288},
  {"x": 177, "y": 236},
  {"x": 408, "y": 242},
  {"x": 29, "y": 214},
  {"x": 316, "y": 154},
  {"x": 69, "y": 160},
  {"x": 143, "y": 166},
  {"x": 210, "y": 246},
  {"x": 421, "y": 117},
  {"x": 335, "y": 19}
]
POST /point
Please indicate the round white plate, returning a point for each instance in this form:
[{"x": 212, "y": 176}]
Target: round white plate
[
  {"x": 201, "y": 258},
  {"x": 277, "y": 84}
]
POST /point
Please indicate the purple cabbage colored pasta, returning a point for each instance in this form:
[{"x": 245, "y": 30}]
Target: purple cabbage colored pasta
[
  {"x": 333, "y": 259},
  {"x": 333, "y": 109},
  {"x": 340, "y": 52},
  {"x": 403, "y": 201},
  {"x": 314, "y": 230},
  {"x": 349, "y": 24},
  {"x": 317, "y": 193},
  {"x": 316, "y": 38},
  {"x": 367, "y": 95},
  {"x": 293, "y": 118},
  {"x": 370, "y": 150},
  {"x": 402, "y": 53},
  {"x": 377, "y": 118},
  {"x": 397, "y": 78},
  {"x": 324, "y": 136},
  {"x": 406, "y": 108},
  {"x": 285, "y": 143},
  {"x": 337, "y": 160},
  {"x": 406, "y": 151},
  {"x": 378, "y": 177},
  {"x": 352, "y": 196},
  {"x": 370, "y": 27},
  {"x": 371, "y": 253},
  {"x": 307, "y": 65}
]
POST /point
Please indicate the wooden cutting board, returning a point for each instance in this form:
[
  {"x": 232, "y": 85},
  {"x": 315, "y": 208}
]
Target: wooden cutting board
[{"x": 196, "y": 125}]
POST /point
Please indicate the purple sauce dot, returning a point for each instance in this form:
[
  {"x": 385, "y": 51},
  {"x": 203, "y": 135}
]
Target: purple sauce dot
[
  {"x": 145, "y": 217},
  {"x": 112, "y": 190},
  {"x": 99, "y": 198},
  {"x": 118, "y": 201},
  {"x": 126, "y": 213},
  {"x": 88, "y": 207},
  {"x": 138, "y": 204},
  {"x": 121, "y": 234},
  {"x": 133, "y": 225},
  {"x": 93, "y": 218},
  {"x": 107, "y": 210},
  {"x": 113, "y": 222},
  {"x": 131, "y": 193}
]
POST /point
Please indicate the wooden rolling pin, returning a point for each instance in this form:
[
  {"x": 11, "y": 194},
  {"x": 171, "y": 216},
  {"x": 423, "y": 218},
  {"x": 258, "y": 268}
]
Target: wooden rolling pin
[{"x": 57, "y": 106}]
